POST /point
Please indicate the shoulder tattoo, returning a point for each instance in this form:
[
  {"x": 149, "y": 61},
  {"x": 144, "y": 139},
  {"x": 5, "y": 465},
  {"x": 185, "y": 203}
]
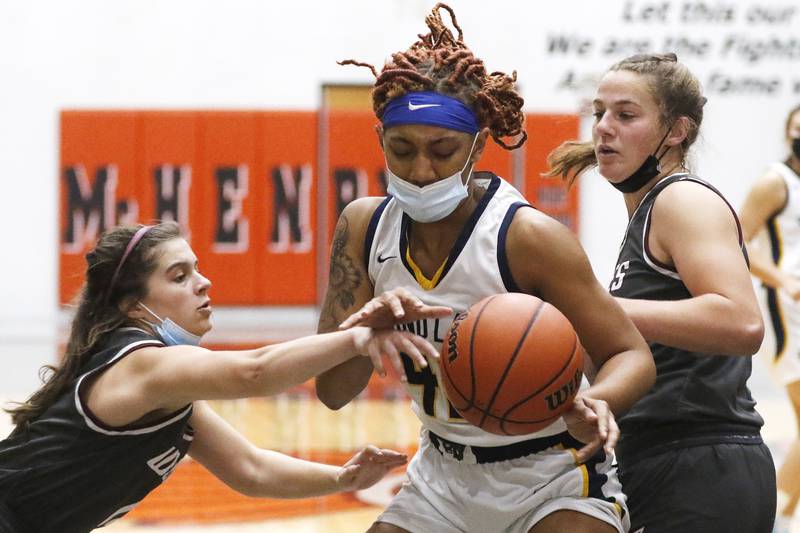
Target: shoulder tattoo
[{"x": 344, "y": 277}]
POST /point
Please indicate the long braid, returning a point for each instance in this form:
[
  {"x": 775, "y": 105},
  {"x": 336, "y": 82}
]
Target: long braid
[{"x": 441, "y": 62}]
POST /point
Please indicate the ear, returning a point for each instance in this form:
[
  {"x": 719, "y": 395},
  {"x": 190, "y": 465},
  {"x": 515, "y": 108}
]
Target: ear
[
  {"x": 132, "y": 309},
  {"x": 480, "y": 145},
  {"x": 379, "y": 133},
  {"x": 678, "y": 132}
]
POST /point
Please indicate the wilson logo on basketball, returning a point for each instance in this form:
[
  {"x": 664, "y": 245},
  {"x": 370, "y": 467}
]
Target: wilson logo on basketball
[
  {"x": 555, "y": 400},
  {"x": 452, "y": 347}
]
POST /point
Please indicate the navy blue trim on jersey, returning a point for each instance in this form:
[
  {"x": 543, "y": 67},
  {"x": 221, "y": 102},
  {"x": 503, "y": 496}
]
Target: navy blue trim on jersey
[
  {"x": 502, "y": 256},
  {"x": 371, "y": 228},
  {"x": 774, "y": 241},
  {"x": 598, "y": 479},
  {"x": 772, "y": 294},
  {"x": 493, "y": 454},
  {"x": 775, "y": 320},
  {"x": 463, "y": 237}
]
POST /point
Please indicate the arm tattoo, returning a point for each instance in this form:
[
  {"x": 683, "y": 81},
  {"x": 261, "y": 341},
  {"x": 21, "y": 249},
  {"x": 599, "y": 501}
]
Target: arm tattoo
[{"x": 344, "y": 279}]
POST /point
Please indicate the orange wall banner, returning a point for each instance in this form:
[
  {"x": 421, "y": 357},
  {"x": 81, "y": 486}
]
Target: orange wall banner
[
  {"x": 252, "y": 190},
  {"x": 546, "y": 132}
]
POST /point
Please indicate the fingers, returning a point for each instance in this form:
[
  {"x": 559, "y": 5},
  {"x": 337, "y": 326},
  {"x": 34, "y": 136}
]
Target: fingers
[
  {"x": 425, "y": 347},
  {"x": 613, "y": 435},
  {"x": 597, "y": 410},
  {"x": 607, "y": 428},
  {"x": 391, "y": 456},
  {"x": 374, "y": 454},
  {"x": 393, "y": 307},
  {"x": 435, "y": 311},
  {"x": 395, "y": 359},
  {"x": 393, "y": 345},
  {"x": 591, "y": 420},
  {"x": 356, "y": 318},
  {"x": 586, "y": 453},
  {"x": 352, "y": 320},
  {"x": 414, "y": 346},
  {"x": 395, "y": 303},
  {"x": 376, "y": 356}
]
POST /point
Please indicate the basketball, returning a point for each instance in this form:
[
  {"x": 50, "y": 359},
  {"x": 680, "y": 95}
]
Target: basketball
[{"x": 511, "y": 364}]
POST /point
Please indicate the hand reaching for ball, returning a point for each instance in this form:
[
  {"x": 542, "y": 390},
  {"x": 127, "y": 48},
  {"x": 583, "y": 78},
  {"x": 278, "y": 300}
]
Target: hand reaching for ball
[
  {"x": 396, "y": 306},
  {"x": 592, "y": 422}
]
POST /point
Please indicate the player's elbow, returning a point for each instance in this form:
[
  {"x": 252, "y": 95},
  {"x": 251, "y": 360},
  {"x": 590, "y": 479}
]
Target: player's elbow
[
  {"x": 249, "y": 377},
  {"x": 751, "y": 333},
  {"x": 329, "y": 396}
]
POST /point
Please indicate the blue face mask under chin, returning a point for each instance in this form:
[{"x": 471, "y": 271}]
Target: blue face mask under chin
[{"x": 170, "y": 332}]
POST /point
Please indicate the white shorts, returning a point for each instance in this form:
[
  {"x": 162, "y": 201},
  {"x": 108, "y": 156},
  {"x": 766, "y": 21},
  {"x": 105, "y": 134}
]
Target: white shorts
[
  {"x": 780, "y": 350},
  {"x": 450, "y": 495}
]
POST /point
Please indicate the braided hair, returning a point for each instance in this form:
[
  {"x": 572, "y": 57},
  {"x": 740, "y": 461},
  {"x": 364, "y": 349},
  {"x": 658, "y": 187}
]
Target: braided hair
[{"x": 440, "y": 62}]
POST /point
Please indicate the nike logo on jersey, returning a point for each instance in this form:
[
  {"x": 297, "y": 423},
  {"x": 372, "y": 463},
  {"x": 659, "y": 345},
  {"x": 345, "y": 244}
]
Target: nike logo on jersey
[
  {"x": 382, "y": 259},
  {"x": 414, "y": 107}
]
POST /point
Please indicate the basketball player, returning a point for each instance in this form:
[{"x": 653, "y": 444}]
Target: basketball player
[
  {"x": 774, "y": 203},
  {"x": 125, "y": 405},
  {"x": 691, "y": 458},
  {"x": 451, "y": 236}
]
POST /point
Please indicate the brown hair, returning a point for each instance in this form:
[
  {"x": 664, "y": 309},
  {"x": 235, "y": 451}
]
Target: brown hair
[
  {"x": 442, "y": 63},
  {"x": 101, "y": 308},
  {"x": 676, "y": 91}
]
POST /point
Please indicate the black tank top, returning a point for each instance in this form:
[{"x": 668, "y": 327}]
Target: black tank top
[
  {"x": 72, "y": 473},
  {"x": 697, "y": 395}
]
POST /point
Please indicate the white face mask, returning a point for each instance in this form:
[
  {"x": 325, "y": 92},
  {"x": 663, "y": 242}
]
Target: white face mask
[
  {"x": 170, "y": 332},
  {"x": 434, "y": 201}
]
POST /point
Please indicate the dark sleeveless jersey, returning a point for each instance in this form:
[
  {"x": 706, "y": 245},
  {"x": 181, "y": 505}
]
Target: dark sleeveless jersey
[
  {"x": 72, "y": 473},
  {"x": 696, "y": 395}
]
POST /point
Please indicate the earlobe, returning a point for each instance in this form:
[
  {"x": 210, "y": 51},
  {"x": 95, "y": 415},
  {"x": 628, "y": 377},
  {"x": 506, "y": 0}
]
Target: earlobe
[
  {"x": 680, "y": 130},
  {"x": 131, "y": 309},
  {"x": 480, "y": 145}
]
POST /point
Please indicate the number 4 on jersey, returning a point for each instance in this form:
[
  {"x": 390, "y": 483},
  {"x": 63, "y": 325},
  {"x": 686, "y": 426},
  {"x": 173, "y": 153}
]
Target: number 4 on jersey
[{"x": 429, "y": 383}]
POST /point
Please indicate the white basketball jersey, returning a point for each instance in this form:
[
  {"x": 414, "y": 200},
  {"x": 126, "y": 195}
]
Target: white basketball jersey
[
  {"x": 784, "y": 228},
  {"x": 781, "y": 347},
  {"x": 475, "y": 268}
]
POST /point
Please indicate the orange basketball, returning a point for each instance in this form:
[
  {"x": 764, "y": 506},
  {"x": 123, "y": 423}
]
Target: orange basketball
[{"x": 511, "y": 364}]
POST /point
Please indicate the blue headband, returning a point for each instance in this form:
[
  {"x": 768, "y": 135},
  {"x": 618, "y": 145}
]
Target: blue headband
[{"x": 430, "y": 108}]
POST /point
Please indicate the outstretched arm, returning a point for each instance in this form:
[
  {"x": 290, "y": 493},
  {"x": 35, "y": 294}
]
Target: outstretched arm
[
  {"x": 264, "y": 473},
  {"x": 168, "y": 378}
]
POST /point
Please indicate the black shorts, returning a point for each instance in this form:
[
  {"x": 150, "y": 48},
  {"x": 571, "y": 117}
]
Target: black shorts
[
  {"x": 711, "y": 488},
  {"x": 8, "y": 523}
]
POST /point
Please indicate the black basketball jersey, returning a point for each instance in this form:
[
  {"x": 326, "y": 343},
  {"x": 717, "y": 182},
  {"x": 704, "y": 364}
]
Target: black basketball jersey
[
  {"x": 695, "y": 394},
  {"x": 71, "y": 472}
]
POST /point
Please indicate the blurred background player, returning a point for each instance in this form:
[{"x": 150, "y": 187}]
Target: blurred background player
[
  {"x": 125, "y": 405},
  {"x": 682, "y": 277},
  {"x": 451, "y": 236},
  {"x": 773, "y": 204}
]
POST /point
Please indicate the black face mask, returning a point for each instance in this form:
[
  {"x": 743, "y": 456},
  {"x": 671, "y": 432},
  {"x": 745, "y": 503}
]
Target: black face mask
[
  {"x": 649, "y": 170},
  {"x": 796, "y": 147}
]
